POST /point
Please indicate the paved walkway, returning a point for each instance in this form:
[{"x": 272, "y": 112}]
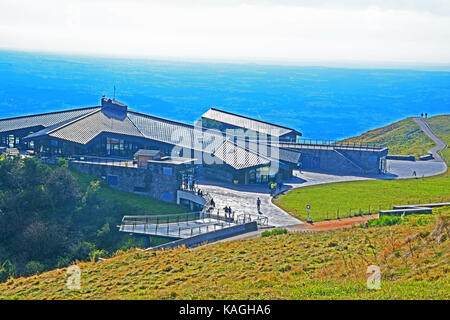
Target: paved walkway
[
  {"x": 440, "y": 144},
  {"x": 242, "y": 198}
]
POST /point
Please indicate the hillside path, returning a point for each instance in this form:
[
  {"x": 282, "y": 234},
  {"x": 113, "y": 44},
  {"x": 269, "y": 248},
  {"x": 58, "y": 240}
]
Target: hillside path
[{"x": 440, "y": 144}]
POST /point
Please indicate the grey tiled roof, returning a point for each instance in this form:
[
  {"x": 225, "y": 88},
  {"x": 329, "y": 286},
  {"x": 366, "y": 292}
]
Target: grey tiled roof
[
  {"x": 44, "y": 119},
  {"x": 247, "y": 123},
  {"x": 83, "y": 125},
  {"x": 238, "y": 157},
  {"x": 163, "y": 130},
  {"x": 83, "y": 130}
]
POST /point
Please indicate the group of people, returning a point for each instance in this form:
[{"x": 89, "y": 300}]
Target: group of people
[
  {"x": 227, "y": 210},
  {"x": 426, "y": 115}
]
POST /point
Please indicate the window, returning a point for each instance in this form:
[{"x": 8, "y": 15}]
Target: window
[{"x": 167, "y": 171}]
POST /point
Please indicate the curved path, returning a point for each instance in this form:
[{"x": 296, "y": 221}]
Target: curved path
[
  {"x": 242, "y": 198},
  {"x": 440, "y": 144}
]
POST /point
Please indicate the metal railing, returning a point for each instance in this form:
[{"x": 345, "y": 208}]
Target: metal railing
[
  {"x": 318, "y": 144},
  {"x": 119, "y": 162},
  {"x": 247, "y": 217},
  {"x": 173, "y": 224}
]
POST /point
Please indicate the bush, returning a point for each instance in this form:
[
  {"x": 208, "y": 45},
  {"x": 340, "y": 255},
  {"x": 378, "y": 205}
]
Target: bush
[
  {"x": 94, "y": 255},
  {"x": 34, "y": 267},
  {"x": 273, "y": 232},
  {"x": 7, "y": 270},
  {"x": 385, "y": 221}
]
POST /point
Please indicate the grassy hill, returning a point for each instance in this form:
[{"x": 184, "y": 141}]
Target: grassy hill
[
  {"x": 405, "y": 137},
  {"x": 413, "y": 257},
  {"x": 441, "y": 126}
]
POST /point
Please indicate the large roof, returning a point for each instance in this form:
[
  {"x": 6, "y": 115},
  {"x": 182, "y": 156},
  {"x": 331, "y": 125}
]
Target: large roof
[
  {"x": 238, "y": 157},
  {"x": 247, "y": 123},
  {"x": 44, "y": 119},
  {"x": 82, "y": 126}
]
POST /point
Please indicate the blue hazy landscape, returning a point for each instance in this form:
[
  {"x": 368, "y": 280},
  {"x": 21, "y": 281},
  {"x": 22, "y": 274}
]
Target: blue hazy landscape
[{"x": 321, "y": 102}]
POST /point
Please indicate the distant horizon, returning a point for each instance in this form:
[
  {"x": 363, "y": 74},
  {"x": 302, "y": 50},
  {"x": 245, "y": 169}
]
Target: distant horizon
[
  {"x": 338, "y": 64},
  {"x": 323, "y": 102}
]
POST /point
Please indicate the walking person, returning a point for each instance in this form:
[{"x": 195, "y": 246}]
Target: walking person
[
  {"x": 426, "y": 115},
  {"x": 421, "y": 115},
  {"x": 258, "y": 205},
  {"x": 213, "y": 204}
]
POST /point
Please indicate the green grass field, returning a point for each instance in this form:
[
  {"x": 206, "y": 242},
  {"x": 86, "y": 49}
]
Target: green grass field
[
  {"x": 350, "y": 197},
  {"x": 413, "y": 257},
  {"x": 403, "y": 137}
]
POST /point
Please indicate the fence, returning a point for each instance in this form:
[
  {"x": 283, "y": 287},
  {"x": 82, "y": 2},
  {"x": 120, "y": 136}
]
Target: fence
[
  {"x": 175, "y": 224},
  {"x": 118, "y": 162},
  {"x": 347, "y": 212}
]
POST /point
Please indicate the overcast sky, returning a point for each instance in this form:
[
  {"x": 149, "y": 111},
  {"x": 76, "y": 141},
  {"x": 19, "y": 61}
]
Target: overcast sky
[{"x": 284, "y": 30}]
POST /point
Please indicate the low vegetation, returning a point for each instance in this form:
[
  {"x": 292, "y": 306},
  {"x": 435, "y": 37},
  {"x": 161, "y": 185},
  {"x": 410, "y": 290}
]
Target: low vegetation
[
  {"x": 413, "y": 258},
  {"x": 274, "y": 232},
  {"x": 441, "y": 127},
  {"x": 404, "y": 137},
  {"x": 346, "y": 199},
  {"x": 385, "y": 221},
  {"x": 51, "y": 216}
]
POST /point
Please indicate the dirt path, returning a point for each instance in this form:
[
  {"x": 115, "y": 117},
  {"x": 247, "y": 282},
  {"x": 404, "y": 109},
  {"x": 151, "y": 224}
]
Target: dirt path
[{"x": 341, "y": 223}]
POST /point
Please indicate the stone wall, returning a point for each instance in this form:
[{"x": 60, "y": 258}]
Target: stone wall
[
  {"x": 342, "y": 161},
  {"x": 150, "y": 182}
]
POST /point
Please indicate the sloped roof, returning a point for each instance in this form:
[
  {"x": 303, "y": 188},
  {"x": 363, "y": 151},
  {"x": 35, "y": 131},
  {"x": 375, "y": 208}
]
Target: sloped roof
[
  {"x": 83, "y": 125},
  {"x": 238, "y": 157},
  {"x": 147, "y": 153},
  {"x": 248, "y": 123},
  {"x": 43, "y": 119}
]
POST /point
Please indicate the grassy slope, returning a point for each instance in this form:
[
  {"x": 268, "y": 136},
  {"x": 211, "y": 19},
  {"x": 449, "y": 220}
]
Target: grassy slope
[
  {"x": 346, "y": 196},
  {"x": 403, "y": 137},
  {"x": 323, "y": 265},
  {"x": 129, "y": 202},
  {"x": 441, "y": 126}
]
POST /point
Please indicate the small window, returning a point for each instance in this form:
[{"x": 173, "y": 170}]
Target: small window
[{"x": 167, "y": 171}]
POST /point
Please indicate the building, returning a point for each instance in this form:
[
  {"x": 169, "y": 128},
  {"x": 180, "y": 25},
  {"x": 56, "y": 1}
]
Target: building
[
  {"x": 235, "y": 124},
  {"x": 113, "y": 130},
  {"x": 142, "y": 156},
  {"x": 160, "y": 179},
  {"x": 226, "y": 146}
]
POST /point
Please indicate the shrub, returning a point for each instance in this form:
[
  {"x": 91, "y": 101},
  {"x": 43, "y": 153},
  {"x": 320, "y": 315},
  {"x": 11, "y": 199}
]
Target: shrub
[
  {"x": 274, "y": 232},
  {"x": 34, "y": 267},
  {"x": 385, "y": 221}
]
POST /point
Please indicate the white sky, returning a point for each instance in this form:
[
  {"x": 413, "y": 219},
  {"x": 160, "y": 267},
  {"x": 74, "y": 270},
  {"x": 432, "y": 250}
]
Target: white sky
[{"x": 284, "y": 30}]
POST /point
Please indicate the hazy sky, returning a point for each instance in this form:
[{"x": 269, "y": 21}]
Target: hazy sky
[{"x": 294, "y": 30}]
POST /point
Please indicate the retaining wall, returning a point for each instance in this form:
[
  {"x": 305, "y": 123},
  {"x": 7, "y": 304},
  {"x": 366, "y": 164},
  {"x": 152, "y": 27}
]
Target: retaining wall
[{"x": 210, "y": 236}]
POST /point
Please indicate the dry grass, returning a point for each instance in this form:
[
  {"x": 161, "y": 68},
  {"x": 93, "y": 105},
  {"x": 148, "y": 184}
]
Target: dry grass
[{"x": 413, "y": 257}]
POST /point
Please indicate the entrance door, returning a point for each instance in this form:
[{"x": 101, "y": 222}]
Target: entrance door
[{"x": 252, "y": 176}]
